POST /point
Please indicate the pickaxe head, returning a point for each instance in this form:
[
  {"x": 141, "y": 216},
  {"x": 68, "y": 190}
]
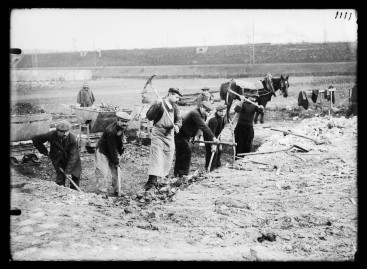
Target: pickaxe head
[{"x": 149, "y": 81}]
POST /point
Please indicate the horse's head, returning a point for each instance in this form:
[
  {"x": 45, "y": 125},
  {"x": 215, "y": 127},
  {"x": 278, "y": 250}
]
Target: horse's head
[{"x": 284, "y": 85}]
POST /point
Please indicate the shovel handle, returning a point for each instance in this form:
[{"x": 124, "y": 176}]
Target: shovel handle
[
  {"x": 212, "y": 142},
  {"x": 118, "y": 181},
  {"x": 72, "y": 181},
  {"x": 211, "y": 160},
  {"x": 244, "y": 98}
]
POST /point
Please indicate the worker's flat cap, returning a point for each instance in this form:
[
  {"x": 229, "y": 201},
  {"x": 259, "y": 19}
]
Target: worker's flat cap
[
  {"x": 175, "y": 90},
  {"x": 220, "y": 107},
  {"x": 207, "y": 106},
  {"x": 63, "y": 126},
  {"x": 205, "y": 89},
  {"x": 123, "y": 115}
]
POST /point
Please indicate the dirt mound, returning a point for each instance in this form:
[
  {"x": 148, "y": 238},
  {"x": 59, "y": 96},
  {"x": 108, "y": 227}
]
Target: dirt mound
[
  {"x": 26, "y": 108},
  {"x": 322, "y": 129}
]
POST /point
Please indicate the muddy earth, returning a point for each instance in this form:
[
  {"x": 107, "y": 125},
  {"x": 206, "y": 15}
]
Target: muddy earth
[{"x": 295, "y": 200}]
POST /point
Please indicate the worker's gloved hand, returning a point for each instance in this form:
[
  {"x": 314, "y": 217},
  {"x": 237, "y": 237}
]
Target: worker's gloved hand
[
  {"x": 261, "y": 108},
  {"x": 117, "y": 166},
  {"x": 242, "y": 97},
  {"x": 68, "y": 176},
  {"x": 176, "y": 128},
  {"x": 159, "y": 100},
  {"x": 216, "y": 140},
  {"x": 213, "y": 148}
]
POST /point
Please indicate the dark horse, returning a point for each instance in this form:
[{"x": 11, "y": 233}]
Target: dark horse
[{"x": 270, "y": 86}]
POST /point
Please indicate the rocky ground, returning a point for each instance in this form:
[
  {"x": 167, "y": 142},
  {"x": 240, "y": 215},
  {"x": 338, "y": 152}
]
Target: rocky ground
[{"x": 285, "y": 205}]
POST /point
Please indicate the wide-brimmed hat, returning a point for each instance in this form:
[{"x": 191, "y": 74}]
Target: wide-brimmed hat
[
  {"x": 63, "y": 126},
  {"x": 175, "y": 90},
  {"x": 123, "y": 115},
  {"x": 207, "y": 106}
]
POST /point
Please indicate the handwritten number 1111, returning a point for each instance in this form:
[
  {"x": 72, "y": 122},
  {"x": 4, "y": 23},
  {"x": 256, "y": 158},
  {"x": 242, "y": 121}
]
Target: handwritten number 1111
[{"x": 341, "y": 14}]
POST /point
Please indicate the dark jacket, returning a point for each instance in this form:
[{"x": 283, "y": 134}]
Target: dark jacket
[
  {"x": 110, "y": 144},
  {"x": 155, "y": 113},
  {"x": 65, "y": 156},
  {"x": 216, "y": 125},
  {"x": 303, "y": 100},
  {"x": 354, "y": 97},
  {"x": 85, "y": 97},
  {"x": 314, "y": 95},
  {"x": 193, "y": 121},
  {"x": 246, "y": 113}
]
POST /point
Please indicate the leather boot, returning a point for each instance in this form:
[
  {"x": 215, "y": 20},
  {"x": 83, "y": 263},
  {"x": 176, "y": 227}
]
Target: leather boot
[{"x": 152, "y": 182}]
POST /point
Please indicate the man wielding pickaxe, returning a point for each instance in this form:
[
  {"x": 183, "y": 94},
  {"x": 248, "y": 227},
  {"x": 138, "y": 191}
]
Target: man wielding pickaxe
[{"x": 166, "y": 118}]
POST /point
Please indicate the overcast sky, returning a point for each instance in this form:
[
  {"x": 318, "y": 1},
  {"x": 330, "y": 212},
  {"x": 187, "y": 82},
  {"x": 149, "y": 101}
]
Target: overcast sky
[{"x": 88, "y": 29}]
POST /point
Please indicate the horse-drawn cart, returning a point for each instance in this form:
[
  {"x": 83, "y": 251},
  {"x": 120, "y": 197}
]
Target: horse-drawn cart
[{"x": 22, "y": 129}]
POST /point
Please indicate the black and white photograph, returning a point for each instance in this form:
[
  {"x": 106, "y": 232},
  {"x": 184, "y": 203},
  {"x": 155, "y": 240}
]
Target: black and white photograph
[{"x": 183, "y": 134}]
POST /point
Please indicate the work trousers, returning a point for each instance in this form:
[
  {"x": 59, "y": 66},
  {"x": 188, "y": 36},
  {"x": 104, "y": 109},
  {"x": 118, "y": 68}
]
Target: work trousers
[
  {"x": 183, "y": 156},
  {"x": 106, "y": 173},
  {"x": 243, "y": 135},
  {"x": 61, "y": 179},
  {"x": 216, "y": 159}
]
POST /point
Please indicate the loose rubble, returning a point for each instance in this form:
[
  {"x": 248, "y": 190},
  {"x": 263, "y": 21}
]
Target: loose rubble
[
  {"x": 249, "y": 210},
  {"x": 26, "y": 108}
]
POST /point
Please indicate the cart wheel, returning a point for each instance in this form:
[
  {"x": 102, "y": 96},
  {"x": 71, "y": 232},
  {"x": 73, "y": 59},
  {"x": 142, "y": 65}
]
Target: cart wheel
[
  {"x": 34, "y": 158},
  {"x": 14, "y": 161}
]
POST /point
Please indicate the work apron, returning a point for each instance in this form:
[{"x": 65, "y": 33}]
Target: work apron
[{"x": 162, "y": 147}]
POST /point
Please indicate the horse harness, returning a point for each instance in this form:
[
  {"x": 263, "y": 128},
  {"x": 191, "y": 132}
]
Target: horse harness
[{"x": 282, "y": 85}]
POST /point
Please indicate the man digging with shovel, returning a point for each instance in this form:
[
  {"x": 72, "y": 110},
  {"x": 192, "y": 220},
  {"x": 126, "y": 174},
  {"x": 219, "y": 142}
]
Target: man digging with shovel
[
  {"x": 192, "y": 121},
  {"x": 108, "y": 149},
  {"x": 244, "y": 131},
  {"x": 216, "y": 125},
  {"x": 64, "y": 153}
]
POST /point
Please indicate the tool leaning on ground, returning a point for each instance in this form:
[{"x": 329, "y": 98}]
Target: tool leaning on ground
[
  {"x": 149, "y": 82},
  {"x": 69, "y": 178},
  {"x": 285, "y": 133}
]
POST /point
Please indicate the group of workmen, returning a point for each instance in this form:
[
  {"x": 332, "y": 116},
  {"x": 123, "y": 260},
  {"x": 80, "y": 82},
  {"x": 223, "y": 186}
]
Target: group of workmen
[{"x": 170, "y": 133}]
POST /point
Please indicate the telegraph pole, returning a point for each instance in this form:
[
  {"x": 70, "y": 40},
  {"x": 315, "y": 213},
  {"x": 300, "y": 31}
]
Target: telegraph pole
[
  {"x": 325, "y": 33},
  {"x": 253, "y": 42},
  {"x": 94, "y": 53}
]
